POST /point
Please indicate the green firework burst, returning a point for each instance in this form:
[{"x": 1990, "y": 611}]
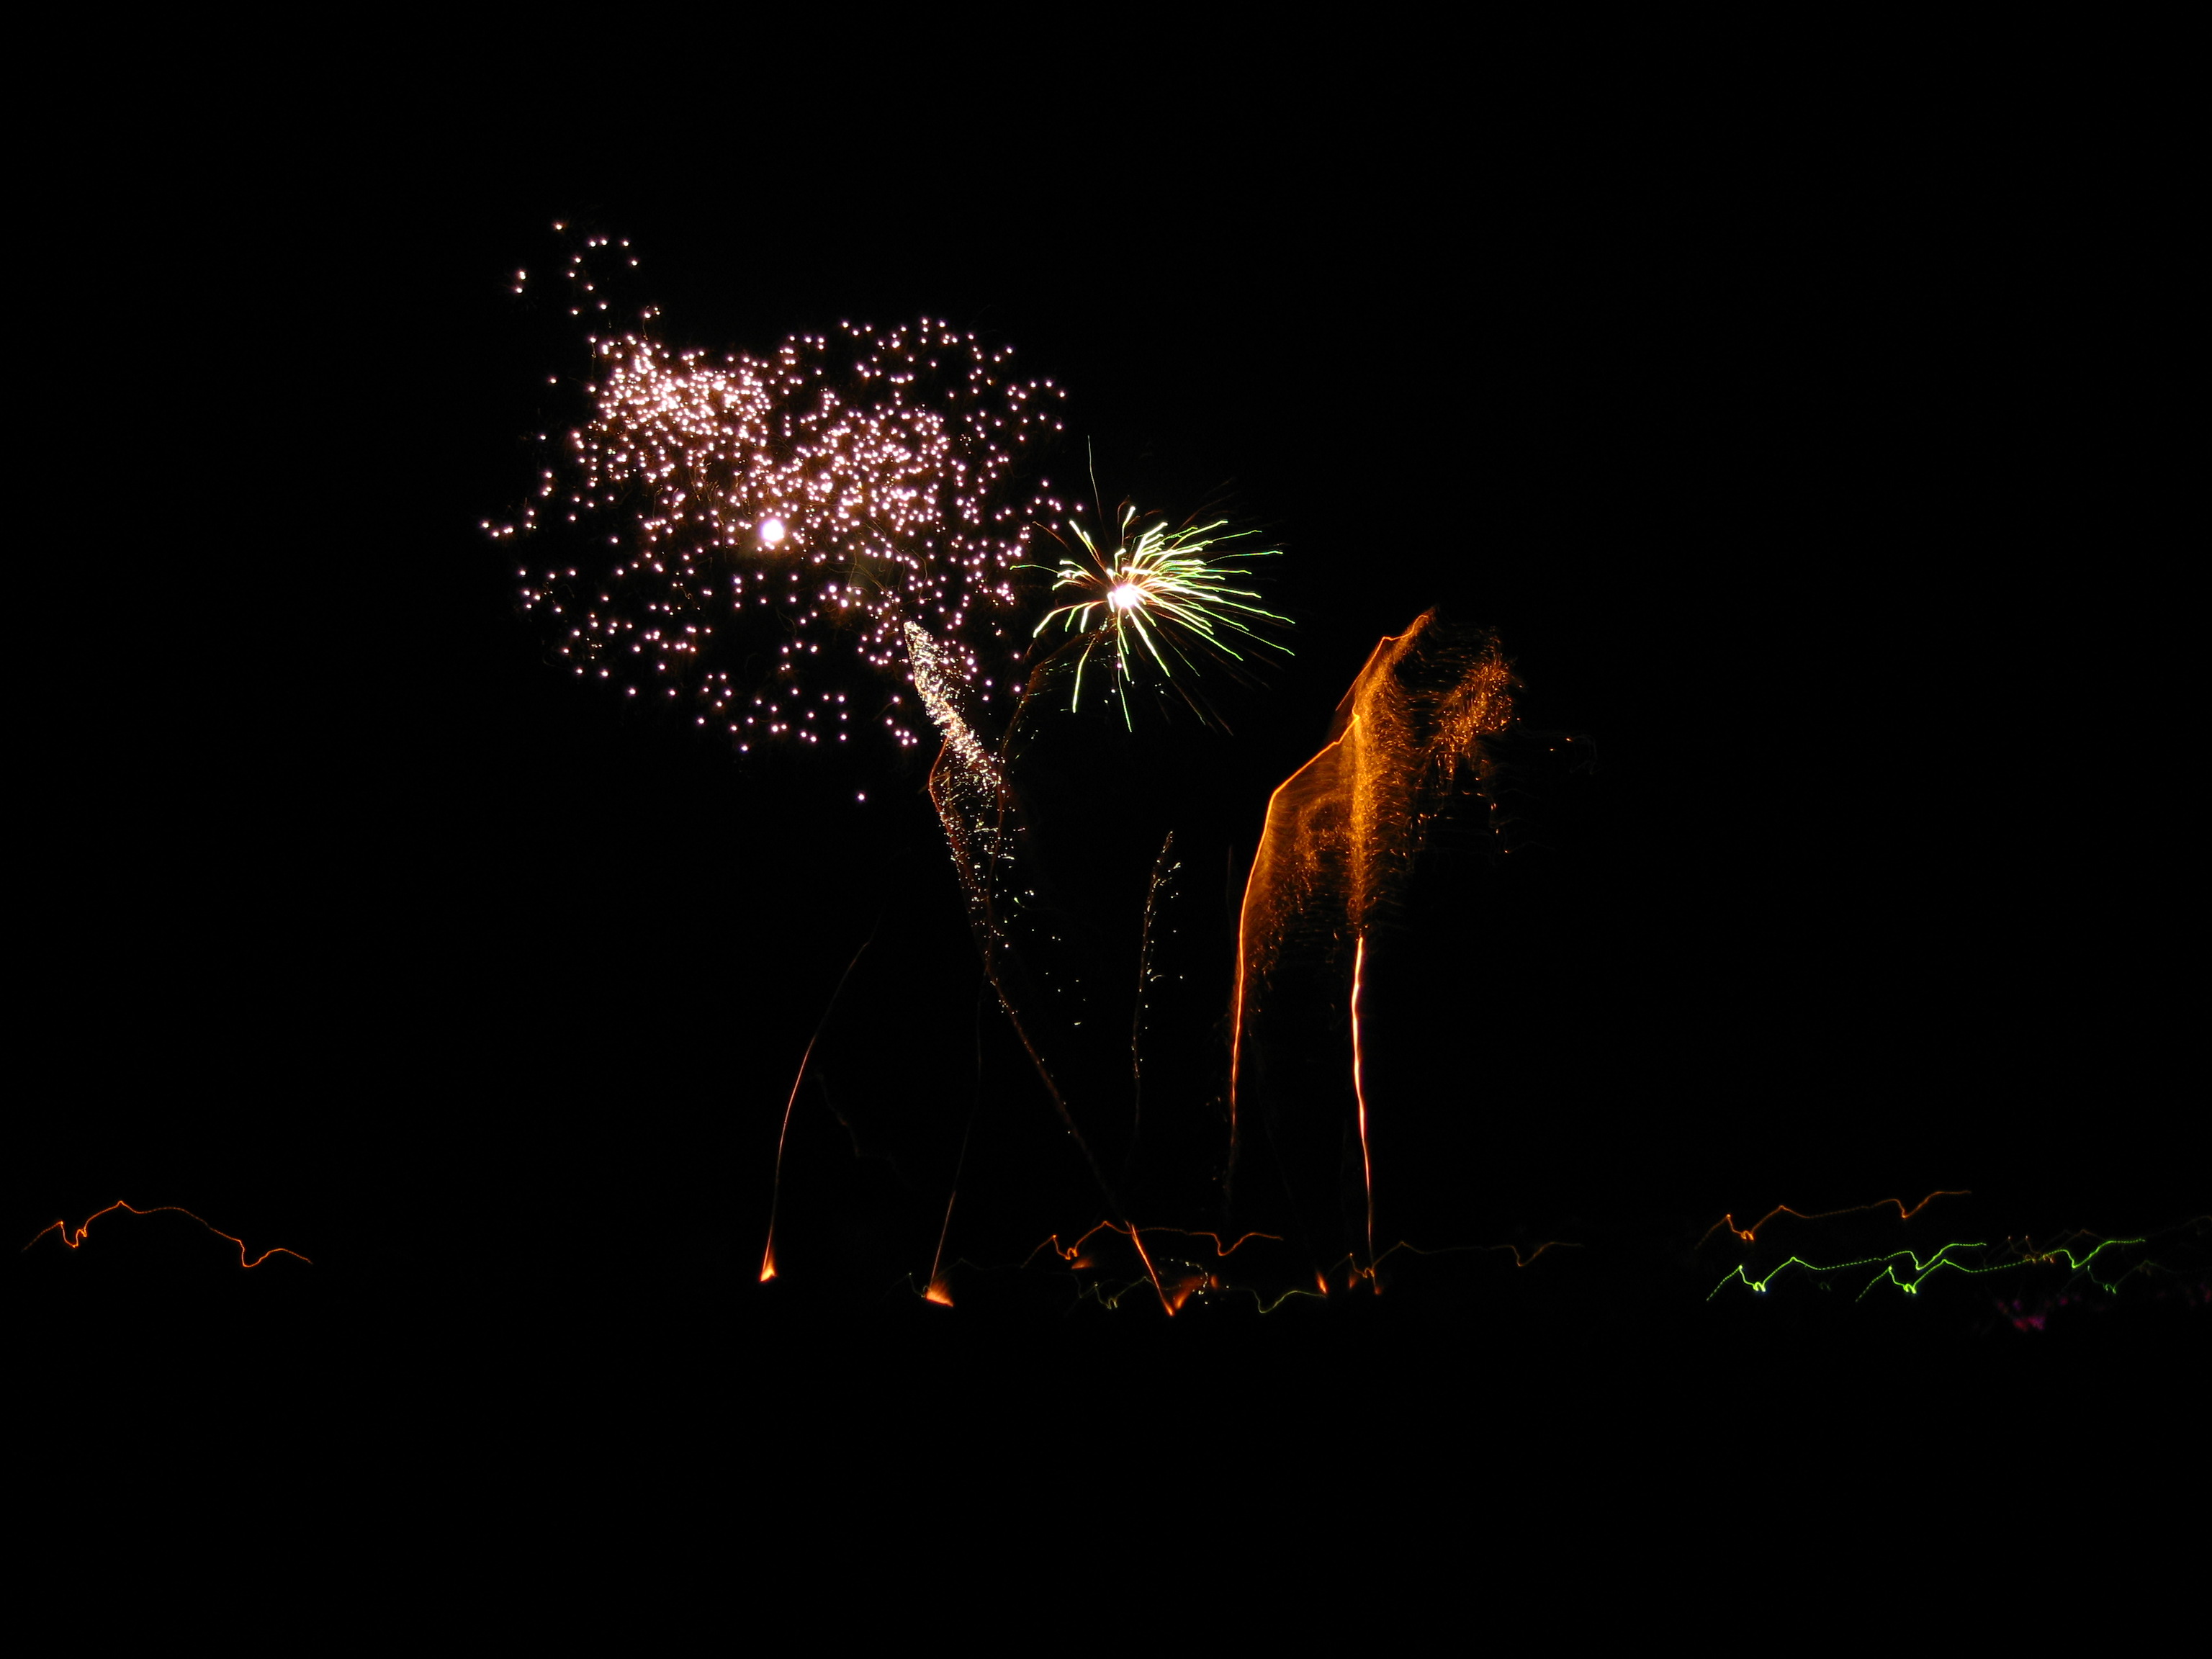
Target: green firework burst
[{"x": 1159, "y": 598}]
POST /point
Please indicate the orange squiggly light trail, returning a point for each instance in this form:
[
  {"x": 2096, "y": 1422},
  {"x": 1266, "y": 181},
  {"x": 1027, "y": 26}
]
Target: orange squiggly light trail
[
  {"x": 74, "y": 1236},
  {"x": 1519, "y": 1259},
  {"x": 1748, "y": 1234},
  {"x": 1170, "y": 1301},
  {"x": 1354, "y": 1274},
  {"x": 1072, "y": 1253}
]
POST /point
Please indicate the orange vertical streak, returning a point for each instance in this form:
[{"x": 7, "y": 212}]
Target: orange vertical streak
[
  {"x": 1359, "y": 1094},
  {"x": 775, "y": 1195},
  {"x": 1237, "y": 1035},
  {"x": 939, "y": 1292},
  {"x": 74, "y": 1236},
  {"x": 1167, "y": 1306}
]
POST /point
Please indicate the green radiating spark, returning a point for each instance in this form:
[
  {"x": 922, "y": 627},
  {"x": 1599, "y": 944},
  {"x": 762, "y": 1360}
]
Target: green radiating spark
[{"x": 1164, "y": 595}]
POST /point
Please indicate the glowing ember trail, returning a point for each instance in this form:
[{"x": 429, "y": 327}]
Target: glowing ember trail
[{"x": 74, "y": 1236}]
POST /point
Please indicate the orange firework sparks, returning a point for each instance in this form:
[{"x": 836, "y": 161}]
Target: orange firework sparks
[
  {"x": 74, "y": 1236},
  {"x": 1342, "y": 832}
]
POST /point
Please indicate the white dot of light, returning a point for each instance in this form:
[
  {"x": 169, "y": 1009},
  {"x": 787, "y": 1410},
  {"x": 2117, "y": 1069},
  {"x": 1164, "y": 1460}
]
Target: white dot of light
[
  {"x": 771, "y": 532},
  {"x": 1128, "y": 597}
]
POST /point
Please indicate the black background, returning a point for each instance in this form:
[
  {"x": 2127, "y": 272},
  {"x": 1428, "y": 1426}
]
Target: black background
[{"x": 1806, "y": 469}]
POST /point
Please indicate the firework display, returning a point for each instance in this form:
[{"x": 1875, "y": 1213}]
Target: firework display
[
  {"x": 843, "y": 537},
  {"x": 1342, "y": 832}
]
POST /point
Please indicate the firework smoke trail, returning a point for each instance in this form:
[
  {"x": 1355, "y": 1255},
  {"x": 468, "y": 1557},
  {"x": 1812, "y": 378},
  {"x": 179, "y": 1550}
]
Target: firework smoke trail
[
  {"x": 834, "y": 492},
  {"x": 981, "y": 816},
  {"x": 1342, "y": 832}
]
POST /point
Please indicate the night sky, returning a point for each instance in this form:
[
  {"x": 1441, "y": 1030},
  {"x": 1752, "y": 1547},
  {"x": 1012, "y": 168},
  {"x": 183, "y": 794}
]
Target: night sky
[{"x": 1802, "y": 480}]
